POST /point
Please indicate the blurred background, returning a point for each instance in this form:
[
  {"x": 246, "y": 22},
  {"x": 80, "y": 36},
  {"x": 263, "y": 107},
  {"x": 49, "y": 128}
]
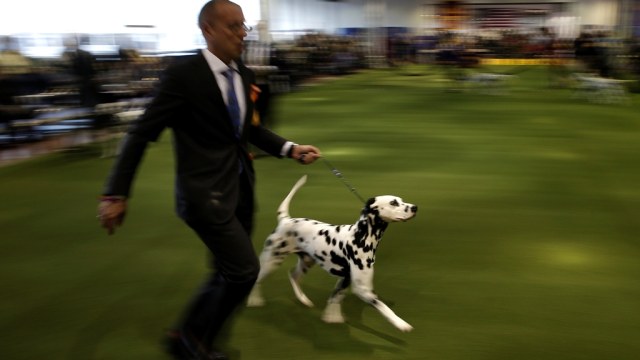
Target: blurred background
[
  {"x": 513, "y": 125},
  {"x": 66, "y": 65}
]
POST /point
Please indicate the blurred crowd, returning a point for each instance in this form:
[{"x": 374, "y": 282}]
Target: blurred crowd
[
  {"x": 78, "y": 78},
  {"x": 593, "y": 51}
]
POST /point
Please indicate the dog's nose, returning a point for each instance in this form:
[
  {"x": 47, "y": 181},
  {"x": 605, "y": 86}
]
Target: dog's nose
[{"x": 414, "y": 208}]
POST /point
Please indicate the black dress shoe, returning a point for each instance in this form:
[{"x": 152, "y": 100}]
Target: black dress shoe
[
  {"x": 175, "y": 348},
  {"x": 182, "y": 347},
  {"x": 217, "y": 355}
]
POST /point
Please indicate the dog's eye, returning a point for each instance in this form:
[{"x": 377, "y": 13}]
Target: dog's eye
[{"x": 394, "y": 203}]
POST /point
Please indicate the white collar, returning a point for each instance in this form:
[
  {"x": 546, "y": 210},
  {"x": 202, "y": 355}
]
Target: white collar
[{"x": 216, "y": 65}]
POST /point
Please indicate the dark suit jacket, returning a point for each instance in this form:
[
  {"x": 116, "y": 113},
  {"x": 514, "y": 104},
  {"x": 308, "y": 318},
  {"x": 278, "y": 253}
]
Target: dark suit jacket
[{"x": 207, "y": 153}]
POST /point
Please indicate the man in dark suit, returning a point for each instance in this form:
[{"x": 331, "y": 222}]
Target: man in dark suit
[{"x": 206, "y": 101}]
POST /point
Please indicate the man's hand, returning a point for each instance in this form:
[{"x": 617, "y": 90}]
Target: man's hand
[
  {"x": 305, "y": 154},
  {"x": 111, "y": 213}
]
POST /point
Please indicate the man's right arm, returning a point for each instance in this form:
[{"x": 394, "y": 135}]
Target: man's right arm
[
  {"x": 113, "y": 202},
  {"x": 112, "y": 207},
  {"x": 124, "y": 170}
]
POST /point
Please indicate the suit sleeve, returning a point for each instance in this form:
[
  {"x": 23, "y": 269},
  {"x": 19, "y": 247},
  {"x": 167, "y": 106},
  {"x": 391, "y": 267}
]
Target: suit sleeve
[
  {"x": 267, "y": 140},
  {"x": 158, "y": 115},
  {"x": 259, "y": 135}
]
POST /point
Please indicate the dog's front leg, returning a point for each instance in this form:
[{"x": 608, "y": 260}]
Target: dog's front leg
[
  {"x": 333, "y": 312},
  {"x": 363, "y": 288},
  {"x": 390, "y": 315}
]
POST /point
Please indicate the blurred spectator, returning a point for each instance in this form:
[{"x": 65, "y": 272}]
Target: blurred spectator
[
  {"x": 12, "y": 62},
  {"x": 15, "y": 69},
  {"x": 591, "y": 54},
  {"x": 634, "y": 63},
  {"x": 80, "y": 65}
]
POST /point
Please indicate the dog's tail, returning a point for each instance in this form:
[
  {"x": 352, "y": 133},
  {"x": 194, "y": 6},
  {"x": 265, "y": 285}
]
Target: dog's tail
[{"x": 283, "y": 210}]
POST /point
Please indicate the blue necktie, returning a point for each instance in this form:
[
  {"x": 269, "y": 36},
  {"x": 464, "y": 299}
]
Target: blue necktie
[{"x": 232, "y": 101}]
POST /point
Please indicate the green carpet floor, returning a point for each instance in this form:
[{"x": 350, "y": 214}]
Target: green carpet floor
[{"x": 525, "y": 245}]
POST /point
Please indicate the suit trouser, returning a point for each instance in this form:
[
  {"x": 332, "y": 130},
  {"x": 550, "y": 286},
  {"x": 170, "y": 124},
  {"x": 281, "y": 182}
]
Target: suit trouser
[{"x": 235, "y": 270}]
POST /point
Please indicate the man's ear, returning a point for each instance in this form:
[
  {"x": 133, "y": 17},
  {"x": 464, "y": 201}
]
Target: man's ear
[{"x": 207, "y": 31}]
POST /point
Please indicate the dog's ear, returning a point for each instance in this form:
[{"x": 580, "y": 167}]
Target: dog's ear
[
  {"x": 367, "y": 205},
  {"x": 367, "y": 209}
]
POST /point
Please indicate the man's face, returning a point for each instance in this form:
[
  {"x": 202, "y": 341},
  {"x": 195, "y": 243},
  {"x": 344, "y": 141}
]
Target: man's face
[{"x": 227, "y": 32}]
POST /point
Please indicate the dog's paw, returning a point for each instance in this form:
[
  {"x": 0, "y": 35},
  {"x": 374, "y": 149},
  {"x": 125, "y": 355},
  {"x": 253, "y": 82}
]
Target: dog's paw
[
  {"x": 305, "y": 300},
  {"x": 255, "y": 298},
  {"x": 333, "y": 318},
  {"x": 333, "y": 314},
  {"x": 255, "y": 302},
  {"x": 403, "y": 326},
  {"x": 299, "y": 293}
]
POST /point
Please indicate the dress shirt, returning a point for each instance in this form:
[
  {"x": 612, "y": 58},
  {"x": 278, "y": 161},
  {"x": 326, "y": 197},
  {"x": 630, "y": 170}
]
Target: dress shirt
[{"x": 218, "y": 67}]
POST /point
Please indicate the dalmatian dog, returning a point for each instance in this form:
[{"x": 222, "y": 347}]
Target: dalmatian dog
[{"x": 345, "y": 251}]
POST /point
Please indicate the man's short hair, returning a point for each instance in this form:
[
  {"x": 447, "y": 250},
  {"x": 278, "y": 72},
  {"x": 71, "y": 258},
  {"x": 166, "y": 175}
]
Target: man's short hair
[
  {"x": 205, "y": 13},
  {"x": 208, "y": 11}
]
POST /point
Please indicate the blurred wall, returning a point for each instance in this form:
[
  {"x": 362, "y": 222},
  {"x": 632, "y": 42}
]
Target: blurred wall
[
  {"x": 300, "y": 15},
  {"x": 38, "y": 23}
]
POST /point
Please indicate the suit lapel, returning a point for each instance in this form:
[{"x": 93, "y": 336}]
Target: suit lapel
[
  {"x": 207, "y": 81},
  {"x": 213, "y": 99}
]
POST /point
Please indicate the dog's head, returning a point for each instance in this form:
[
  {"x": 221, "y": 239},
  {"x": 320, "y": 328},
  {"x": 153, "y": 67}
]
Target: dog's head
[{"x": 390, "y": 208}]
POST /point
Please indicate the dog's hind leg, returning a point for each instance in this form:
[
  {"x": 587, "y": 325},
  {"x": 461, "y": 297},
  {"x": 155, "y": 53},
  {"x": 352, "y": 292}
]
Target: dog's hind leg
[
  {"x": 270, "y": 259},
  {"x": 305, "y": 262},
  {"x": 333, "y": 312}
]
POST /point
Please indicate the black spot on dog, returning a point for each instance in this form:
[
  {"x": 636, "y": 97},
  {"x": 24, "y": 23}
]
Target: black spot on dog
[
  {"x": 325, "y": 233},
  {"x": 283, "y": 244},
  {"x": 362, "y": 232},
  {"x": 370, "y": 262},
  {"x": 351, "y": 255},
  {"x": 358, "y": 263},
  {"x": 349, "y": 251},
  {"x": 341, "y": 263}
]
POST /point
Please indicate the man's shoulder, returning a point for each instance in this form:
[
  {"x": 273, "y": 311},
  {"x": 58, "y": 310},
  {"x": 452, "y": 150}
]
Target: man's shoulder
[{"x": 183, "y": 61}]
